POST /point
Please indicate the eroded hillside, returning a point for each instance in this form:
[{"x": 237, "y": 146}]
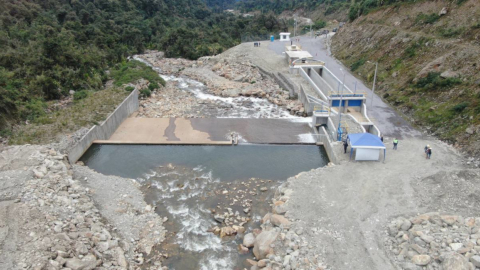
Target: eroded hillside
[{"x": 429, "y": 64}]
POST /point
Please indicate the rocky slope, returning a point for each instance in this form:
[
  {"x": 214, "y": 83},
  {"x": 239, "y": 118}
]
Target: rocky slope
[
  {"x": 51, "y": 218},
  {"x": 429, "y": 64}
]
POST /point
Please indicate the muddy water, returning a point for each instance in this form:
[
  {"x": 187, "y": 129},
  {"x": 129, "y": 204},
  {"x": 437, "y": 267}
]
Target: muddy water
[{"x": 189, "y": 184}]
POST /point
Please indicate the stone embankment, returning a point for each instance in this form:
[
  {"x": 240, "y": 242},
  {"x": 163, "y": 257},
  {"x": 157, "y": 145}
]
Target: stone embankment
[
  {"x": 435, "y": 241},
  {"x": 50, "y": 220}
]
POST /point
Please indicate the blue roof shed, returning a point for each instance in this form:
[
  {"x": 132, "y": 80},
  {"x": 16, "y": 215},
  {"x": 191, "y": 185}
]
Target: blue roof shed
[{"x": 367, "y": 146}]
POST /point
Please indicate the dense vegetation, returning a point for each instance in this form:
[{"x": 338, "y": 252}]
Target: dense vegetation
[{"x": 50, "y": 47}]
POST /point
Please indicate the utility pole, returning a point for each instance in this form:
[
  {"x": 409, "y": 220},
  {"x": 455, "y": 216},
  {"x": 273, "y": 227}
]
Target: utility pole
[
  {"x": 340, "y": 107},
  {"x": 294, "y": 27},
  {"x": 374, "y": 81}
]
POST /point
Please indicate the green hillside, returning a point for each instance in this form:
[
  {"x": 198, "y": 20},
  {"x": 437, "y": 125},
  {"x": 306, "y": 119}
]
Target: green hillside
[{"x": 50, "y": 47}]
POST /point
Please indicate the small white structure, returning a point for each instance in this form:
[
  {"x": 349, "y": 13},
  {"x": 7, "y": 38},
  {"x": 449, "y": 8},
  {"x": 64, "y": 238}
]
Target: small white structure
[
  {"x": 284, "y": 36},
  {"x": 366, "y": 146},
  {"x": 294, "y": 55}
]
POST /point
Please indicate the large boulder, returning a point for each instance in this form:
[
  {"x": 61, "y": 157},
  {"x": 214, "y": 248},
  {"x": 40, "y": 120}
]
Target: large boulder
[
  {"x": 455, "y": 261},
  {"x": 89, "y": 262},
  {"x": 475, "y": 260},
  {"x": 261, "y": 247}
]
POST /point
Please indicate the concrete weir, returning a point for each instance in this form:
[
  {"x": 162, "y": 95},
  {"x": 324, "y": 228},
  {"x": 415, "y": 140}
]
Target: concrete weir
[{"x": 214, "y": 131}]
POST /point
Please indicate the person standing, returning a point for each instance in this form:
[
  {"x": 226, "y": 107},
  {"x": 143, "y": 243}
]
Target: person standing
[
  {"x": 429, "y": 152},
  {"x": 381, "y": 138},
  {"x": 345, "y": 146},
  {"x": 395, "y": 144},
  {"x": 426, "y": 149}
]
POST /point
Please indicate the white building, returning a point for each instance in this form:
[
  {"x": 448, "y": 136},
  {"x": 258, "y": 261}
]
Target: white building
[{"x": 284, "y": 36}]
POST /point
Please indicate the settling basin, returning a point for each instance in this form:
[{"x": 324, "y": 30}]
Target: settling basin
[{"x": 189, "y": 184}]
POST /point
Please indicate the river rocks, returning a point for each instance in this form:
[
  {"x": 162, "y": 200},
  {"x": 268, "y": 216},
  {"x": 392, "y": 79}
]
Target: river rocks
[
  {"x": 226, "y": 231},
  {"x": 249, "y": 240},
  {"x": 262, "y": 243},
  {"x": 421, "y": 259},
  {"x": 279, "y": 220},
  {"x": 219, "y": 218},
  {"x": 242, "y": 249}
]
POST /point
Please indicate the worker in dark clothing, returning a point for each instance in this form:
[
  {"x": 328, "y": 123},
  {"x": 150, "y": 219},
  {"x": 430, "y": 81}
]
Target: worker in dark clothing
[{"x": 345, "y": 146}]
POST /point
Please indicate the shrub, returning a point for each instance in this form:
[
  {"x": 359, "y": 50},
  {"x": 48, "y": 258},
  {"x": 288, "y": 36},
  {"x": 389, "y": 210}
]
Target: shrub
[
  {"x": 433, "y": 81},
  {"x": 319, "y": 24},
  {"x": 33, "y": 109},
  {"x": 411, "y": 51},
  {"x": 132, "y": 71},
  {"x": 153, "y": 86},
  {"x": 145, "y": 93},
  {"x": 80, "y": 95},
  {"x": 357, "y": 64},
  {"x": 460, "y": 107},
  {"x": 129, "y": 88}
]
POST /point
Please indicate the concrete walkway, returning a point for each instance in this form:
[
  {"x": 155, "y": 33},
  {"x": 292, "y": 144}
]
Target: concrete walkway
[
  {"x": 386, "y": 118},
  {"x": 211, "y": 131}
]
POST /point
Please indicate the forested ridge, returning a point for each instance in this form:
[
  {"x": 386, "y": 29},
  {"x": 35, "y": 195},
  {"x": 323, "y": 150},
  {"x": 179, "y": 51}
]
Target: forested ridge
[{"x": 49, "y": 47}]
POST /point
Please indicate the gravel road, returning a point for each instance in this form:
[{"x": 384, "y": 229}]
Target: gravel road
[{"x": 344, "y": 209}]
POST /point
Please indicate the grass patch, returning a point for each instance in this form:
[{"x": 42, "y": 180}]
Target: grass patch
[
  {"x": 132, "y": 71},
  {"x": 423, "y": 18},
  {"x": 85, "y": 112},
  {"x": 450, "y": 32}
]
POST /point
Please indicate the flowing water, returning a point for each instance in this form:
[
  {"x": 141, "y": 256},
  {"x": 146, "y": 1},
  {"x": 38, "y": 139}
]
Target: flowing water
[
  {"x": 188, "y": 183},
  {"x": 224, "y": 107}
]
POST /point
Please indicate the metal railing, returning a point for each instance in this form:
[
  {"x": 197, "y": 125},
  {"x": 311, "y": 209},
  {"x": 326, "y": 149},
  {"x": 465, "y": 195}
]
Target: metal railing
[{"x": 337, "y": 94}]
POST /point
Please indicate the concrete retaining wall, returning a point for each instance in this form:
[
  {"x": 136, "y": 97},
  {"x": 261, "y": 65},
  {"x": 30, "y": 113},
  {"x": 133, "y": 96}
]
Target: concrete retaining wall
[
  {"x": 332, "y": 126},
  {"x": 105, "y": 130},
  {"x": 288, "y": 83},
  {"x": 328, "y": 145},
  {"x": 281, "y": 80},
  {"x": 321, "y": 83},
  {"x": 312, "y": 83}
]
